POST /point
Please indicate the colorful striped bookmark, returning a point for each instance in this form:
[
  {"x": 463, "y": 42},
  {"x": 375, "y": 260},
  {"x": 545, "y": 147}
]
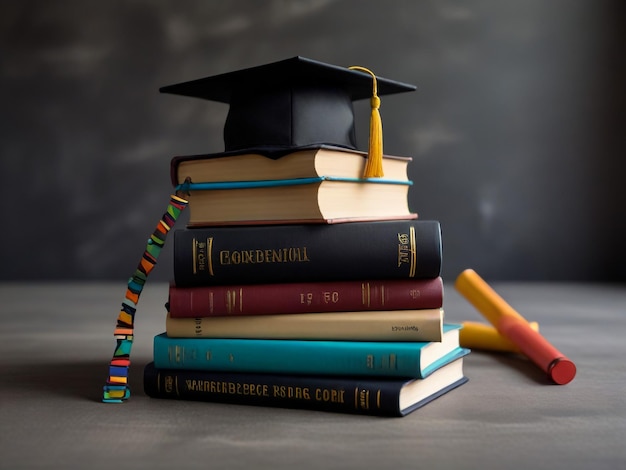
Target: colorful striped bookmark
[{"x": 116, "y": 389}]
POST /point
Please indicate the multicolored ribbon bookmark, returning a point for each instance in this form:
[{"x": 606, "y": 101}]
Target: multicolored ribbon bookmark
[{"x": 117, "y": 390}]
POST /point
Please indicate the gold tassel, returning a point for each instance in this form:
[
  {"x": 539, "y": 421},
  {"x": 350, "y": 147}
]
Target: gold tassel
[{"x": 374, "y": 166}]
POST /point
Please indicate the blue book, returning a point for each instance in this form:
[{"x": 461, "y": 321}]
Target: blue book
[
  {"x": 356, "y": 358},
  {"x": 382, "y": 396}
]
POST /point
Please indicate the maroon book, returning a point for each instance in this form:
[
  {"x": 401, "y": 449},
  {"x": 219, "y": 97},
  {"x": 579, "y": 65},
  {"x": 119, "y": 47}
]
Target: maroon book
[{"x": 305, "y": 297}]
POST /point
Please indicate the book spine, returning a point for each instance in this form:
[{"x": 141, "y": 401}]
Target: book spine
[
  {"x": 392, "y": 325},
  {"x": 365, "y": 358},
  {"x": 286, "y": 391},
  {"x": 402, "y": 249},
  {"x": 307, "y": 297}
]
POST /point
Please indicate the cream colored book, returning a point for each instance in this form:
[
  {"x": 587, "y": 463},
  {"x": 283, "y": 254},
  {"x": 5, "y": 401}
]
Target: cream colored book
[
  {"x": 390, "y": 325},
  {"x": 300, "y": 200},
  {"x": 309, "y": 163}
]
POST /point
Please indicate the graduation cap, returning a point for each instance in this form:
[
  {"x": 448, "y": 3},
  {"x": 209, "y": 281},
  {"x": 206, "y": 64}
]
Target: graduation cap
[{"x": 294, "y": 104}]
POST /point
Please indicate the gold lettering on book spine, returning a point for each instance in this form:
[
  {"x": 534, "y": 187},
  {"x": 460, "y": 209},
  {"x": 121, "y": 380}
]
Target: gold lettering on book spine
[
  {"x": 194, "y": 255},
  {"x": 201, "y": 255},
  {"x": 227, "y": 388},
  {"x": 364, "y": 399},
  {"x": 168, "y": 383},
  {"x": 230, "y": 301},
  {"x": 413, "y": 252},
  {"x": 280, "y": 255},
  {"x": 210, "y": 254},
  {"x": 333, "y": 395},
  {"x": 393, "y": 364},
  {"x": 407, "y": 251},
  {"x": 234, "y": 300},
  {"x": 176, "y": 354},
  {"x": 366, "y": 294}
]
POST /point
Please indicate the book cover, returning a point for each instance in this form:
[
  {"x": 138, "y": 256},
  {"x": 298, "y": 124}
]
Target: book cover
[
  {"x": 304, "y": 297},
  {"x": 369, "y": 358},
  {"x": 399, "y": 249},
  {"x": 358, "y": 395},
  {"x": 388, "y": 325}
]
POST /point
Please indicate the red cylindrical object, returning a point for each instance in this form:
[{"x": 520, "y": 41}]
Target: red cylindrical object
[{"x": 515, "y": 328}]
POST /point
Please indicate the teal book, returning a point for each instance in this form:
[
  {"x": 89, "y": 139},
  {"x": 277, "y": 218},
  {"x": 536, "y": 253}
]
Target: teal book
[{"x": 356, "y": 358}]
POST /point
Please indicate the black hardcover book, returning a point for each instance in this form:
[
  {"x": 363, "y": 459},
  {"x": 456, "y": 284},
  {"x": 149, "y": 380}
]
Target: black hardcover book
[
  {"x": 398, "y": 249},
  {"x": 358, "y": 395}
]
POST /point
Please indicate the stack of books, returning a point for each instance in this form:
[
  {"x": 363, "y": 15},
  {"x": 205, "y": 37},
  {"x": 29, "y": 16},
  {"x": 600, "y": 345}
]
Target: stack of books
[{"x": 299, "y": 284}]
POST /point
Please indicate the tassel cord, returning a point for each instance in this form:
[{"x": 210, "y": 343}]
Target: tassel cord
[{"x": 374, "y": 165}]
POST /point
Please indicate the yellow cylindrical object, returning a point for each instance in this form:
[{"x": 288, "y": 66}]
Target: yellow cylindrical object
[
  {"x": 484, "y": 298},
  {"x": 480, "y": 336}
]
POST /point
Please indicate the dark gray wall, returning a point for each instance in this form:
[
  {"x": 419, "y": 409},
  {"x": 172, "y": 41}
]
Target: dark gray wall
[{"x": 516, "y": 130}]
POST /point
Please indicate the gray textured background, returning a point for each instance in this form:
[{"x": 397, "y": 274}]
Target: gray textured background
[{"x": 517, "y": 130}]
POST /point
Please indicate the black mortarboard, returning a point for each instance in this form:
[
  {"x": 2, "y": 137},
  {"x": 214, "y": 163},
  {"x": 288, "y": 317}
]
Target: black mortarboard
[{"x": 293, "y": 104}]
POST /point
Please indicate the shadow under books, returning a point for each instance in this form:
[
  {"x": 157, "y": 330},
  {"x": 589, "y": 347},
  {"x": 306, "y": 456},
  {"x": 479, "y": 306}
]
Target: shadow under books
[
  {"x": 82, "y": 380},
  {"x": 505, "y": 360}
]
